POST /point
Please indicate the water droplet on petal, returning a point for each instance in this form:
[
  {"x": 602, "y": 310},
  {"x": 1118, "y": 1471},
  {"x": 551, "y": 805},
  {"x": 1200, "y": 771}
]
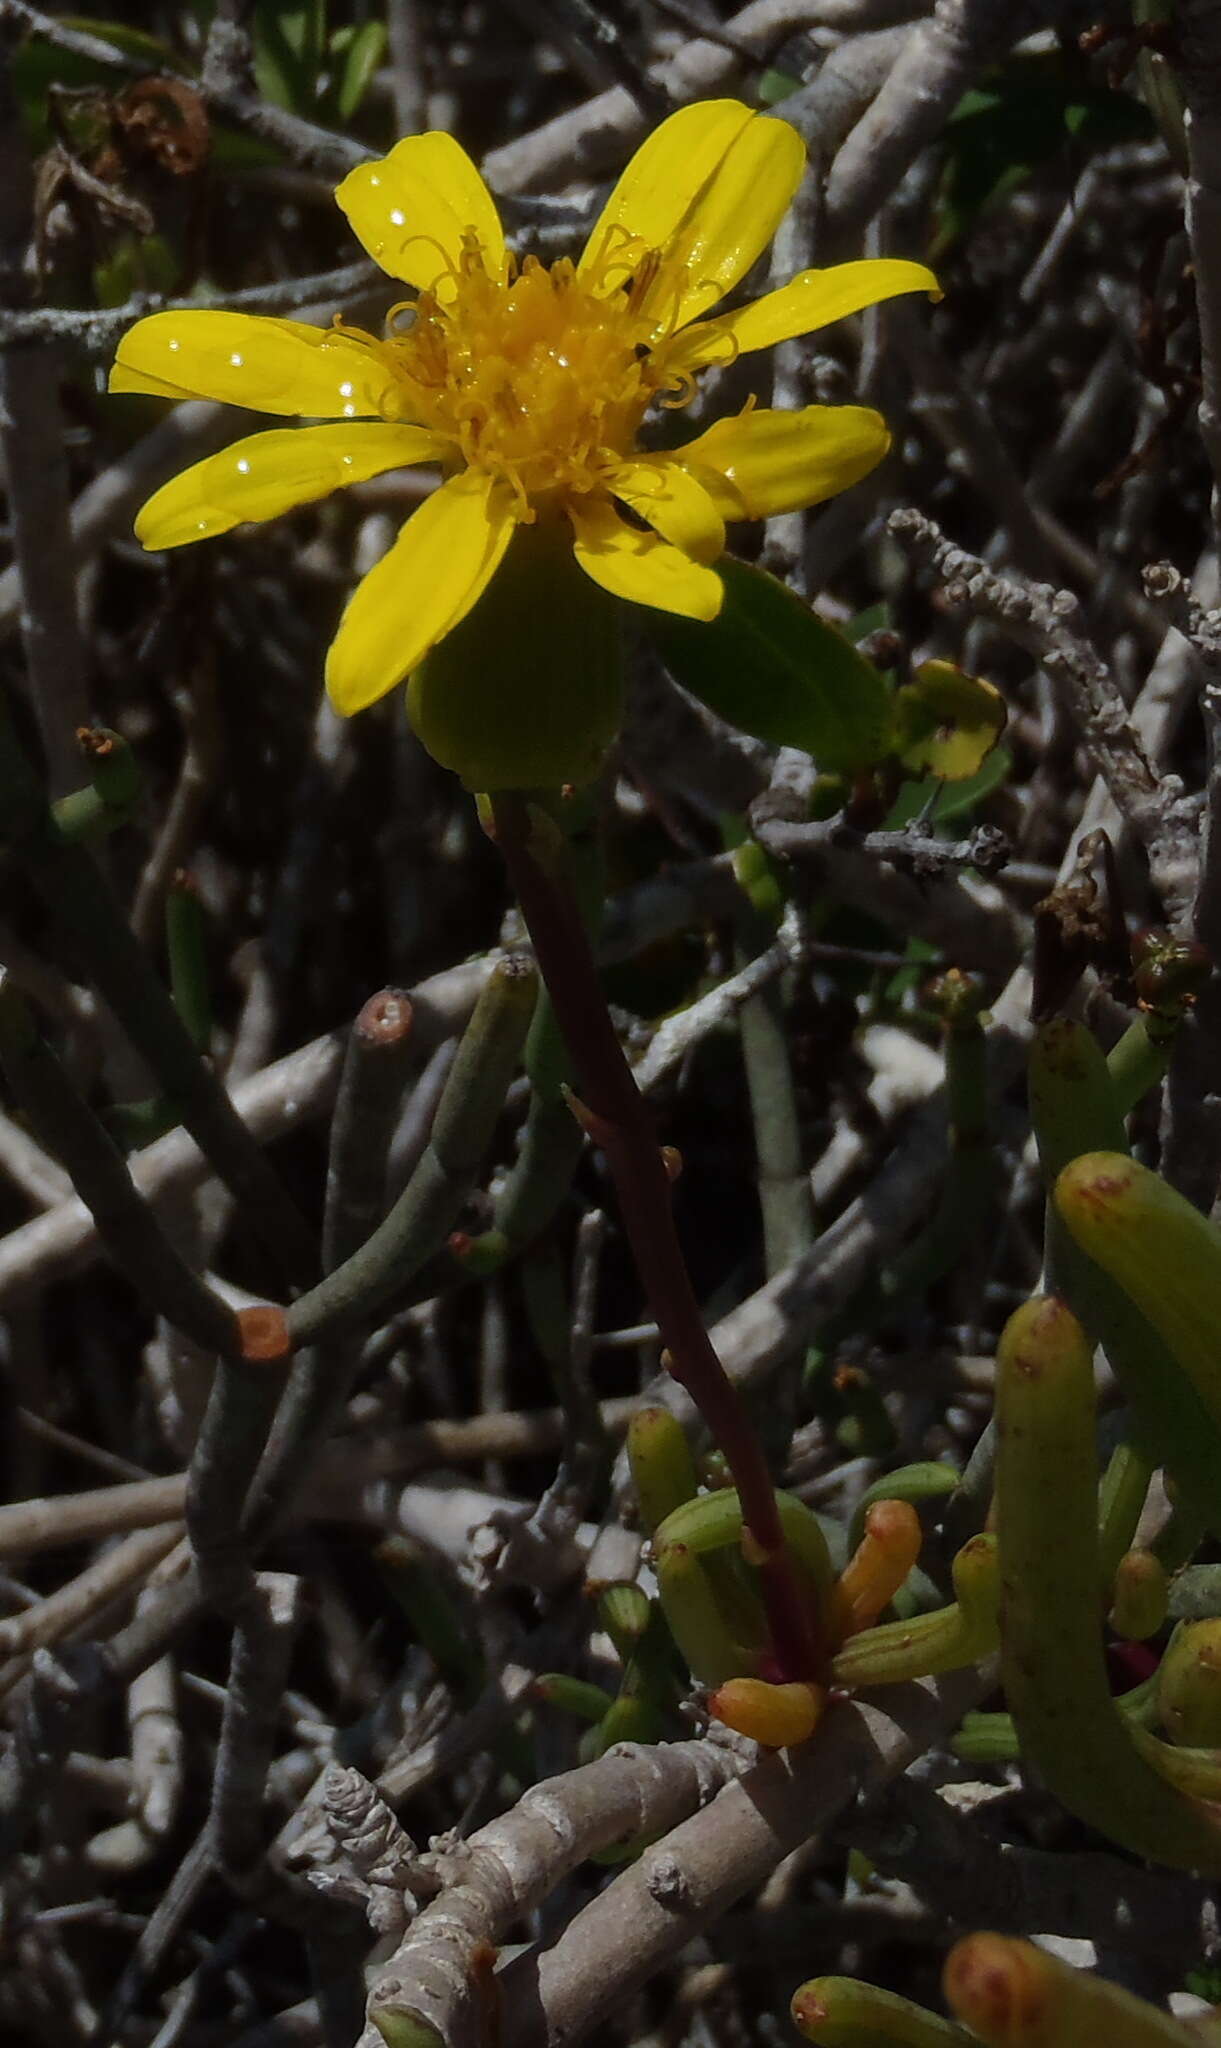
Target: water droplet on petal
[
  {"x": 398, "y": 218},
  {"x": 349, "y": 412},
  {"x": 243, "y": 466},
  {"x": 346, "y": 390},
  {"x": 237, "y": 362},
  {"x": 174, "y": 347}
]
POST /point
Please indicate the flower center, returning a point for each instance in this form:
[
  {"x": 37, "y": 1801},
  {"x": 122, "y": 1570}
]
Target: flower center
[{"x": 539, "y": 375}]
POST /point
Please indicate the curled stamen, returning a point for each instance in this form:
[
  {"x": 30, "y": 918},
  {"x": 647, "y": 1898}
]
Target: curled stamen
[
  {"x": 726, "y": 345},
  {"x": 447, "y": 271},
  {"x": 680, "y": 392},
  {"x": 339, "y": 330},
  {"x": 624, "y": 262}
]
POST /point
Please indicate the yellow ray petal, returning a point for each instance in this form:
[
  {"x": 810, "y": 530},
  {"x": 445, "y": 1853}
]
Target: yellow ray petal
[
  {"x": 668, "y": 173},
  {"x": 674, "y": 502},
  {"x": 729, "y": 224},
  {"x": 413, "y": 209},
  {"x": 440, "y": 564},
  {"x": 267, "y": 474},
  {"x": 639, "y": 566},
  {"x": 282, "y": 366},
  {"x": 812, "y": 299},
  {"x": 766, "y": 462}
]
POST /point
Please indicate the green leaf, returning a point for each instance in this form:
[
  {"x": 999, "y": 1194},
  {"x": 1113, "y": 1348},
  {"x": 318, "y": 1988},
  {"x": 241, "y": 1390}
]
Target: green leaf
[
  {"x": 1032, "y": 108},
  {"x": 138, "y": 263},
  {"x": 876, "y": 618},
  {"x": 288, "y": 42},
  {"x": 37, "y": 65},
  {"x": 775, "y": 86},
  {"x": 365, "y": 51},
  {"x": 772, "y": 667},
  {"x": 949, "y": 800},
  {"x": 947, "y": 722}
]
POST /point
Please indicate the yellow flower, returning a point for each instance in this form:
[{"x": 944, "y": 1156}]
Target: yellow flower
[{"x": 527, "y": 384}]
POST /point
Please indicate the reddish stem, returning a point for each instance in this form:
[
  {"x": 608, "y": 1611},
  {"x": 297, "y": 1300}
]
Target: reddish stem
[{"x": 622, "y": 1127}]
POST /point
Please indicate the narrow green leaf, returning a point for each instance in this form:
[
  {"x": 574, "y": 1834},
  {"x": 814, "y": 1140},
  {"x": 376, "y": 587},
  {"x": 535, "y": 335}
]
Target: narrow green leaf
[{"x": 365, "y": 51}]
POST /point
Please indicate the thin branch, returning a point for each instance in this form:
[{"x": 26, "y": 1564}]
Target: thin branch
[
  {"x": 315, "y": 298},
  {"x": 684, "y": 1882},
  {"x": 973, "y": 1880},
  {"x": 36, "y": 474},
  {"x": 1198, "y": 67},
  {"x": 679, "y": 1034},
  {"x": 374, "y": 1074},
  {"x": 127, "y": 1564},
  {"x": 1047, "y": 622},
  {"x": 941, "y": 58},
  {"x": 226, "y": 84},
  {"x": 127, "y": 1226},
  {"x": 258, "y": 1672},
  {"x": 294, "y": 1090},
  {"x": 597, "y": 135},
  {"x": 438, "y": 1974}
]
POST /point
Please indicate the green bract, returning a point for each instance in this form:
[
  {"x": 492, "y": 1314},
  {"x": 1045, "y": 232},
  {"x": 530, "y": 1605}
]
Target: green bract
[{"x": 527, "y": 692}]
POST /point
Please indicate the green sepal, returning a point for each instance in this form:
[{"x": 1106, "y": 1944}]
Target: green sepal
[
  {"x": 770, "y": 666},
  {"x": 527, "y": 691}
]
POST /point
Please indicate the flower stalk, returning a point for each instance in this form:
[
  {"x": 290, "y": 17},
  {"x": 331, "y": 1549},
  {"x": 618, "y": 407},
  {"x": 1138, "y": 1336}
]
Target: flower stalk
[{"x": 624, "y": 1131}]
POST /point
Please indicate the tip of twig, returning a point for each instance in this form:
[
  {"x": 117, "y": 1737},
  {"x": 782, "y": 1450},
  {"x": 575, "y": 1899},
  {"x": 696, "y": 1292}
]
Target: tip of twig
[
  {"x": 263, "y": 1334},
  {"x": 386, "y": 1019}
]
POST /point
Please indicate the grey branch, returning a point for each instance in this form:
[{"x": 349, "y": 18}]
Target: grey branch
[
  {"x": 1048, "y": 623},
  {"x": 681, "y": 1886},
  {"x": 914, "y": 852},
  {"x": 36, "y": 476},
  {"x": 975, "y": 1881},
  {"x": 295, "y": 1089},
  {"x": 315, "y": 297},
  {"x": 1201, "y": 628},
  {"x": 595, "y": 136},
  {"x": 1198, "y": 61},
  {"x": 939, "y": 61},
  {"x": 510, "y": 1866}
]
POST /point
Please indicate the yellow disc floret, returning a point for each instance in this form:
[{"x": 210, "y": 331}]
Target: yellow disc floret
[{"x": 539, "y": 375}]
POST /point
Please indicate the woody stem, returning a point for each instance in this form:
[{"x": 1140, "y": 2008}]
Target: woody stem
[{"x": 623, "y": 1129}]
